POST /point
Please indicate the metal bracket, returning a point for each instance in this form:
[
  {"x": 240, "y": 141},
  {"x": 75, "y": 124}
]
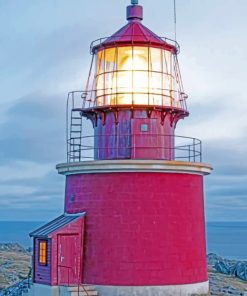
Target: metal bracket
[{"x": 116, "y": 113}]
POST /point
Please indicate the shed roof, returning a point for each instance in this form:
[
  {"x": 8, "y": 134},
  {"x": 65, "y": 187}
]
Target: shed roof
[{"x": 54, "y": 225}]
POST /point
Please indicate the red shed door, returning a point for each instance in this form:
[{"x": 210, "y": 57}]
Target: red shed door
[{"x": 68, "y": 259}]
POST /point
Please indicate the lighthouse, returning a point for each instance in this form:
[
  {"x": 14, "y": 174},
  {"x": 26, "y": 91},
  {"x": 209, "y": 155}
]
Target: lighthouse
[{"x": 133, "y": 221}]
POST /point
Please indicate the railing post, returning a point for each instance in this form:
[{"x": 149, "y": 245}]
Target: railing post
[
  {"x": 172, "y": 147},
  {"x": 133, "y": 152},
  {"x": 194, "y": 149},
  {"x": 200, "y": 151},
  {"x": 73, "y": 100},
  {"x": 67, "y": 126},
  {"x": 68, "y": 277}
]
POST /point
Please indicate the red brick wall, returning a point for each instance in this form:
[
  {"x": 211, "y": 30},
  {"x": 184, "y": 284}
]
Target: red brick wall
[{"x": 141, "y": 228}]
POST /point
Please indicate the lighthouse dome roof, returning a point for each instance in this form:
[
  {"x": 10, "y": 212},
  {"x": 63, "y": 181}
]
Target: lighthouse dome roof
[{"x": 135, "y": 34}]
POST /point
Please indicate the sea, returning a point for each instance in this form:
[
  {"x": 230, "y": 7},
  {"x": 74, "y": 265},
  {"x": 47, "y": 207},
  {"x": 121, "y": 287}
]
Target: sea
[{"x": 226, "y": 239}]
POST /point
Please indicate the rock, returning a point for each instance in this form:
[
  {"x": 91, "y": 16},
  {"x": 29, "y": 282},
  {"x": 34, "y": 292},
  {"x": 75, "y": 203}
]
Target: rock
[
  {"x": 12, "y": 247},
  {"x": 229, "y": 267},
  {"x": 222, "y": 267},
  {"x": 240, "y": 270},
  {"x": 213, "y": 258}
]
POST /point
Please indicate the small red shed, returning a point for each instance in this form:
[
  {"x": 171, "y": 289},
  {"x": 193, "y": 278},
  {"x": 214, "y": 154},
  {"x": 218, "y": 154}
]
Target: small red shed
[{"x": 58, "y": 251}]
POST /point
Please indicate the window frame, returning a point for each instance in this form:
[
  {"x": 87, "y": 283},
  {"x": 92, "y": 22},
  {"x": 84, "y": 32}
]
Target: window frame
[{"x": 43, "y": 252}]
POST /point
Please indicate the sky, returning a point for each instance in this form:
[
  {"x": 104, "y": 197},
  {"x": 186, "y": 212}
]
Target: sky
[{"x": 44, "y": 54}]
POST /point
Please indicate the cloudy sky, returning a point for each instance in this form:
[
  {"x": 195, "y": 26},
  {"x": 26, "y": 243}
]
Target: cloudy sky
[{"x": 44, "y": 53}]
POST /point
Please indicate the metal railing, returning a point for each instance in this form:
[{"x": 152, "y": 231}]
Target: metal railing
[
  {"x": 135, "y": 146},
  {"x": 82, "y": 147},
  {"x": 101, "y": 97},
  {"x": 69, "y": 284},
  {"x": 99, "y": 41}
]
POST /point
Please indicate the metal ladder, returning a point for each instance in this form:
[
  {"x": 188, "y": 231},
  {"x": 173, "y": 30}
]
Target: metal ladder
[
  {"x": 75, "y": 136},
  {"x": 76, "y": 101}
]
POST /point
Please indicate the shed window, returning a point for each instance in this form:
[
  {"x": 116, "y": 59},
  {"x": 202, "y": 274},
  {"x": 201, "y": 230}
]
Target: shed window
[{"x": 43, "y": 252}]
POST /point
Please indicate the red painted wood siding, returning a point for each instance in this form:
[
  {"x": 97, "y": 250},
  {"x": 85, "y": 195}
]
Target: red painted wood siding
[
  {"x": 142, "y": 228},
  {"x": 42, "y": 273}
]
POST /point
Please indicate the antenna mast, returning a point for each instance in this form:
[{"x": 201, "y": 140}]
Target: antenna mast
[{"x": 175, "y": 19}]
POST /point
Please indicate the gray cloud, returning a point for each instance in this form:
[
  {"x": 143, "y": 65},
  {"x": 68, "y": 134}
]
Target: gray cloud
[
  {"x": 45, "y": 53},
  {"x": 34, "y": 130}
]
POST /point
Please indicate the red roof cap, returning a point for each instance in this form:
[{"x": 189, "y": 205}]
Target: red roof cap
[{"x": 135, "y": 33}]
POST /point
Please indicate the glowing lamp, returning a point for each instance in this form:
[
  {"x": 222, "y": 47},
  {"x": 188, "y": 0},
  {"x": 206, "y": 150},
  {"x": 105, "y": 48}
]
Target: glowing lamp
[{"x": 136, "y": 75}]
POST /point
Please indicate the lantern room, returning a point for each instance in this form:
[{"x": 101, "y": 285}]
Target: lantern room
[
  {"x": 138, "y": 75},
  {"x": 136, "y": 67}
]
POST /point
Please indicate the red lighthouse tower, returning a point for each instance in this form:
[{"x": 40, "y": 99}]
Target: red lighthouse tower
[{"x": 134, "y": 209}]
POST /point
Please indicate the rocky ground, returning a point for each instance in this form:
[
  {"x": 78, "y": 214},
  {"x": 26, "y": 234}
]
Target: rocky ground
[
  {"x": 15, "y": 263},
  {"x": 226, "y": 276},
  {"x": 221, "y": 284}
]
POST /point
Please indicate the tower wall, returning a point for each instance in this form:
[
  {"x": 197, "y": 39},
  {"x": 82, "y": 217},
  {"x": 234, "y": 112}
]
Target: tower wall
[
  {"x": 142, "y": 228},
  {"x": 135, "y": 134}
]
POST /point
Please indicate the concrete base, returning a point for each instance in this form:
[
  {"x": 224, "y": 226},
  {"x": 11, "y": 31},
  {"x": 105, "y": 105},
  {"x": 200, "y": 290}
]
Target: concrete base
[
  {"x": 174, "y": 290},
  {"x": 45, "y": 290},
  {"x": 179, "y": 290}
]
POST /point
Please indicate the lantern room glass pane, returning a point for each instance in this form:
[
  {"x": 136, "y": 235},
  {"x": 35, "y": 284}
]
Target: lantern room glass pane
[
  {"x": 167, "y": 62},
  {"x": 110, "y": 88},
  {"x": 141, "y": 99},
  {"x": 140, "y": 58},
  {"x": 125, "y": 58},
  {"x": 140, "y": 82},
  {"x": 110, "y": 82},
  {"x": 156, "y": 59},
  {"x": 155, "y": 83},
  {"x": 124, "y": 99},
  {"x": 166, "y": 82},
  {"x": 124, "y": 82},
  {"x": 156, "y": 100},
  {"x": 110, "y": 59},
  {"x": 100, "y": 89},
  {"x": 100, "y": 64}
]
